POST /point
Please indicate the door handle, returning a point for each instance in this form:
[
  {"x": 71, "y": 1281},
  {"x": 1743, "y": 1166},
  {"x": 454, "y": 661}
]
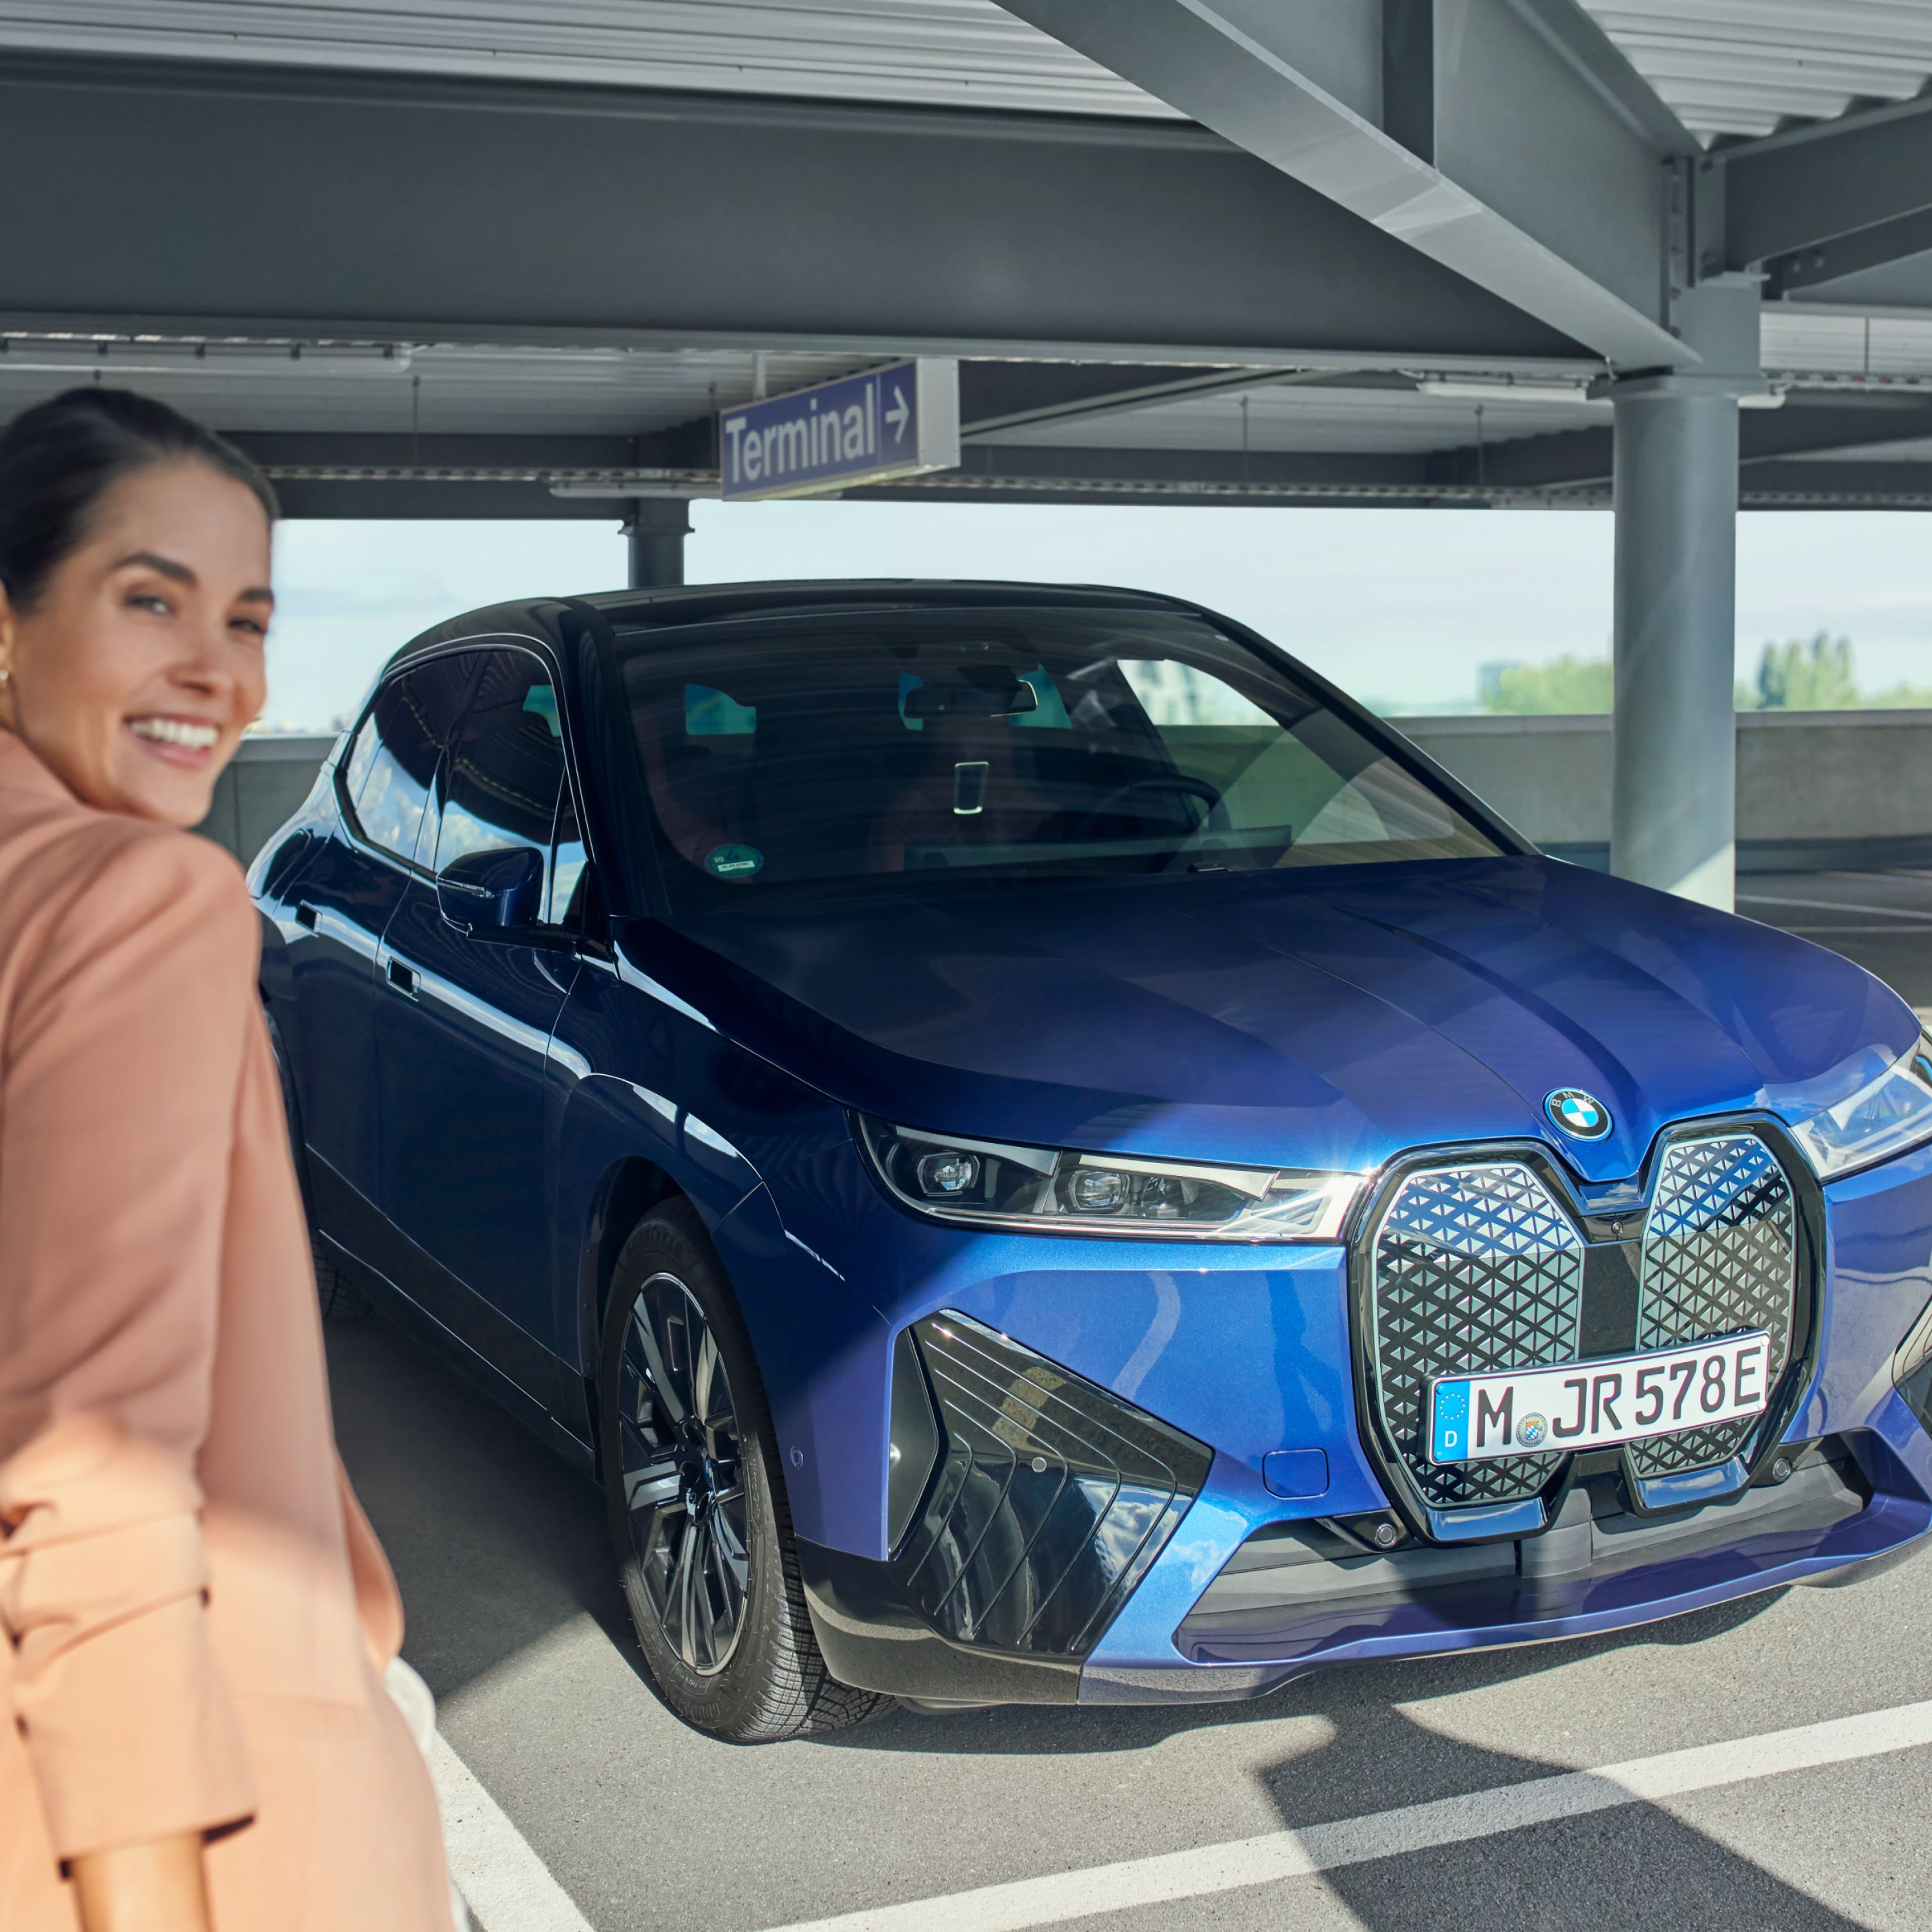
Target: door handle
[
  {"x": 305, "y": 916},
  {"x": 403, "y": 978}
]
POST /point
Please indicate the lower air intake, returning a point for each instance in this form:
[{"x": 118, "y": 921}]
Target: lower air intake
[{"x": 1051, "y": 1498}]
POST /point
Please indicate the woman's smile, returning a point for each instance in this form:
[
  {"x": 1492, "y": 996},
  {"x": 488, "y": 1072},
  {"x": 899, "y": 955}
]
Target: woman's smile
[{"x": 190, "y": 742}]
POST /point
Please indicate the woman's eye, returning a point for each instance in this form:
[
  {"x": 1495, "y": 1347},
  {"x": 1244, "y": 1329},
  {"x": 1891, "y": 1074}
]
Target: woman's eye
[
  {"x": 151, "y": 600},
  {"x": 253, "y": 626}
]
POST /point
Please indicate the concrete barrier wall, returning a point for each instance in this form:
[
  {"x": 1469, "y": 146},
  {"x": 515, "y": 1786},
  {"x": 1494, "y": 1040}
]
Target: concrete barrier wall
[
  {"x": 269, "y": 777},
  {"x": 1815, "y": 788}
]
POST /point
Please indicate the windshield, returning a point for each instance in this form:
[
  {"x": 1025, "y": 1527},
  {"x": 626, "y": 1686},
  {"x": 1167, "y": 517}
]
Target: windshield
[{"x": 919, "y": 746}]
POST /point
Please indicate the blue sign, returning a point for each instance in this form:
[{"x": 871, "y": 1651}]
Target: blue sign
[{"x": 900, "y": 421}]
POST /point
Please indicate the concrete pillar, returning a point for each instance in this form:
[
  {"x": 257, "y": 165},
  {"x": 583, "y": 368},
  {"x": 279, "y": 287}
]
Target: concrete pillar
[
  {"x": 1673, "y": 791},
  {"x": 657, "y": 527}
]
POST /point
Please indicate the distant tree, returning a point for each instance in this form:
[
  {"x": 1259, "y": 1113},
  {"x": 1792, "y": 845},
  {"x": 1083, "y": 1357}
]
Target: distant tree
[
  {"x": 1568, "y": 685},
  {"x": 1798, "y": 675}
]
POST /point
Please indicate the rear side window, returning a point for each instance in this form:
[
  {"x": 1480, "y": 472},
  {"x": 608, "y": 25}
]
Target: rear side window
[
  {"x": 392, "y": 762},
  {"x": 504, "y": 775}
]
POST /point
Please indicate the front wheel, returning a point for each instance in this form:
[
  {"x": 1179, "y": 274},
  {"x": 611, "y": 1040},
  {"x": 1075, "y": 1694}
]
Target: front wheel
[{"x": 697, "y": 1512}]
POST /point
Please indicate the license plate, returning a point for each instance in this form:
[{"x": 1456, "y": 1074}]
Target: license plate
[{"x": 1586, "y": 1405}]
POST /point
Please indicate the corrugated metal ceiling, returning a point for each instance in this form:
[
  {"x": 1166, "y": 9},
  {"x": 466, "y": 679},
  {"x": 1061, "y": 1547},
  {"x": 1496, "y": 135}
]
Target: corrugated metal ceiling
[
  {"x": 1289, "y": 417},
  {"x": 943, "y": 52},
  {"x": 1735, "y": 67},
  {"x": 1740, "y": 67}
]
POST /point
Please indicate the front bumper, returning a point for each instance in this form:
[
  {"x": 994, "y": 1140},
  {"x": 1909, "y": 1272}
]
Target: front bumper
[{"x": 1248, "y": 1351}]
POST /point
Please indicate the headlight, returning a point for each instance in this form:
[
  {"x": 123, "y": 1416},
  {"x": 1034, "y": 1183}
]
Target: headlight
[
  {"x": 985, "y": 1183},
  {"x": 1893, "y": 1113}
]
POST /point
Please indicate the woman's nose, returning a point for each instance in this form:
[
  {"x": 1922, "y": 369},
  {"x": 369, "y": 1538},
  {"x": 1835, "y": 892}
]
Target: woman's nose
[{"x": 209, "y": 663}]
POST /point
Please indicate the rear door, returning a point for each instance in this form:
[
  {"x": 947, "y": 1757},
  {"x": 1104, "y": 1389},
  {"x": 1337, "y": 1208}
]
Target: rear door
[
  {"x": 345, "y": 898},
  {"x": 465, "y": 1024}
]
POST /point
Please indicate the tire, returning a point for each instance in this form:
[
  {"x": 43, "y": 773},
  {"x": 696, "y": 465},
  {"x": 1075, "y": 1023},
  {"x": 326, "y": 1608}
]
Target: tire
[
  {"x": 340, "y": 1299},
  {"x": 697, "y": 1512}
]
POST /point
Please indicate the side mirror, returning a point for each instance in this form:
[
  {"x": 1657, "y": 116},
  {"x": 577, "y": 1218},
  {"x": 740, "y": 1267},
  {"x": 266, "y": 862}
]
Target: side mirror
[{"x": 492, "y": 894}]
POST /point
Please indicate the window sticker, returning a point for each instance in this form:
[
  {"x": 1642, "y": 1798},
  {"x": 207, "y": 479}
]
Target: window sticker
[
  {"x": 1051, "y": 713},
  {"x": 711, "y": 714},
  {"x": 734, "y": 861},
  {"x": 541, "y": 701}
]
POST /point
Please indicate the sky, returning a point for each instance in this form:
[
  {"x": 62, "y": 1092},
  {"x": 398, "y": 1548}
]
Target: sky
[{"x": 1399, "y": 606}]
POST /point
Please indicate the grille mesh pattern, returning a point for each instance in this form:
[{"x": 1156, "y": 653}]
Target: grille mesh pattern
[
  {"x": 1720, "y": 1257},
  {"x": 1474, "y": 1268}
]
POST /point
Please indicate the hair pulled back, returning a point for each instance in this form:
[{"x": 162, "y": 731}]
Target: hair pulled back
[{"x": 59, "y": 459}]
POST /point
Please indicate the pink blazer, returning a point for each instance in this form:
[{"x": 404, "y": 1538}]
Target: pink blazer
[{"x": 196, "y": 1612}]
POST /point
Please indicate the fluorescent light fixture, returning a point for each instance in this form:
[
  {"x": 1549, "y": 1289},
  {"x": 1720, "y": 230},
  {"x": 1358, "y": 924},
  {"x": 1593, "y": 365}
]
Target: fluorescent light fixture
[
  {"x": 1507, "y": 391},
  {"x": 39, "y": 357}
]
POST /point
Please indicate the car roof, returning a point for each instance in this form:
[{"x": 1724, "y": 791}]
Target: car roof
[
  {"x": 717, "y": 603},
  {"x": 712, "y": 603}
]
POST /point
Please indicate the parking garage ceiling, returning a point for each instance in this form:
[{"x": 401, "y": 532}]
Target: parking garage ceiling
[{"x": 438, "y": 260}]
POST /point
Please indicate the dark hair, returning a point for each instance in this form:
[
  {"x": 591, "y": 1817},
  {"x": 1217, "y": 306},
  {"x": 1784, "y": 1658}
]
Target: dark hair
[{"x": 59, "y": 458}]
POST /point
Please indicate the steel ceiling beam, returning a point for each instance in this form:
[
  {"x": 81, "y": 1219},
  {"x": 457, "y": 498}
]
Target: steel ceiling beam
[
  {"x": 389, "y": 477},
  {"x": 1878, "y": 247},
  {"x": 1804, "y": 426},
  {"x": 1806, "y": 188},
  {"x": 1508, "y": 140},
  {"x": 254, "y": 203}
]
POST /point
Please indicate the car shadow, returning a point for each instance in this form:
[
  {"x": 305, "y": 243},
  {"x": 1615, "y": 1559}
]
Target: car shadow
[
  {"x": 496, "y": 1542},
  {"x": 1629, "y": 1866},
  {"x": 495, "y": 1539}
]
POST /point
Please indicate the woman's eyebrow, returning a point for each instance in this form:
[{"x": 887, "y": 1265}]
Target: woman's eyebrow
[{"x": 166, "y": 565}]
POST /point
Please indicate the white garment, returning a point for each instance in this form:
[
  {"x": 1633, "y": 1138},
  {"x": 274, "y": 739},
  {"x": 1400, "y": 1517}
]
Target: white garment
[{"x": 417, "y": 1702}]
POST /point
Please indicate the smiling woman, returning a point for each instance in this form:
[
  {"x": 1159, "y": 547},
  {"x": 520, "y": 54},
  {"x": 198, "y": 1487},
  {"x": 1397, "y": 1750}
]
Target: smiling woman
[
  {"x": 197, "y": 1621},
  {"x": 124, "y": 524}
]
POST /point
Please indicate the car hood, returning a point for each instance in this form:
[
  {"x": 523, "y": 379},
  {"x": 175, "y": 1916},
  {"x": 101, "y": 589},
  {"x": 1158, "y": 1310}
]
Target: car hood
[{"x": 1309, "y": 1019}]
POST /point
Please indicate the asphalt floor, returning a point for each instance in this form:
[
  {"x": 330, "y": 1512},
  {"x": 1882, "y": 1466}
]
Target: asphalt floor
[{"x": 631, "y": 1821}]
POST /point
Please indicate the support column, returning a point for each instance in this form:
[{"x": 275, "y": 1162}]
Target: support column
[
  {"x": 657, "y": 527},
  {"x": 1673, "y": 802}
]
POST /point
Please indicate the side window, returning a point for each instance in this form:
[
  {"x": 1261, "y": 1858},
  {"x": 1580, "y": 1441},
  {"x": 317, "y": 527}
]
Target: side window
[
  {"x": 504, "y": 775},
  {"x": 392, "y": 762}
]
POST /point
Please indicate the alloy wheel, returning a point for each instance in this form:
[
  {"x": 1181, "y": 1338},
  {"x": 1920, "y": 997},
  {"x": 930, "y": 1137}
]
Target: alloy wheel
[{"x": 683, "y": 1474}]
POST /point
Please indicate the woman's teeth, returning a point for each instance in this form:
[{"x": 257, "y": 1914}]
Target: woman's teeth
[{"x": 176, "y": 731}]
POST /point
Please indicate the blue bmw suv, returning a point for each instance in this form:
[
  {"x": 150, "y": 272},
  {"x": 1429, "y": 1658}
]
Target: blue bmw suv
[{"x": 1042, "y": 1155}]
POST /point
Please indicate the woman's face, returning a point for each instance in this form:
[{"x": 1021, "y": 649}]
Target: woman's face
[{"x": 134, "y": 672}]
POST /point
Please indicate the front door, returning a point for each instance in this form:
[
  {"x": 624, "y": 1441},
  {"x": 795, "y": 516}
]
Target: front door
[
  {"x": 344, "y": 898},
  {"x": 466, "y": 1023}
]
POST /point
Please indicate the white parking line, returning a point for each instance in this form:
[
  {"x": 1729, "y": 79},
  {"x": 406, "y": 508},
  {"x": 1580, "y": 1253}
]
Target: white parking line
[
  {"x": 508, "y": 1888},
  {"x": 1414, "y": 1827}
]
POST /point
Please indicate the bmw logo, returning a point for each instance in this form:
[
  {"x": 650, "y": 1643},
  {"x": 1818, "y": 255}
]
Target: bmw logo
[
  {"x": 1531, "y": 1431},
  {"x": 1581, "y": 1115}
]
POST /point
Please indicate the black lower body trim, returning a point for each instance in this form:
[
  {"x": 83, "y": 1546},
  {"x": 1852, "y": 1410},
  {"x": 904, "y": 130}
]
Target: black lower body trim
[
  {"x": 1296, "y": 1589},
  {"x": 874, "y": 1638}
]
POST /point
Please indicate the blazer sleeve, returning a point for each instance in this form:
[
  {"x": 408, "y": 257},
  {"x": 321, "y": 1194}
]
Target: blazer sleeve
[{"x": 123, "y": 1056}]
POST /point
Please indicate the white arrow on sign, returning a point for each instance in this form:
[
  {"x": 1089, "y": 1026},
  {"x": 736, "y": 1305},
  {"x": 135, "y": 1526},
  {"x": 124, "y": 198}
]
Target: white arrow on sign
[{"x": 898, "y": 416}]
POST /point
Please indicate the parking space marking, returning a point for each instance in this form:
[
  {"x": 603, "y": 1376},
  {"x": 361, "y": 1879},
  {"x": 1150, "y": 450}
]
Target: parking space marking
[
  {"x": 507, "y": 1887},
  {"x": 1275, "y": 1855}
]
